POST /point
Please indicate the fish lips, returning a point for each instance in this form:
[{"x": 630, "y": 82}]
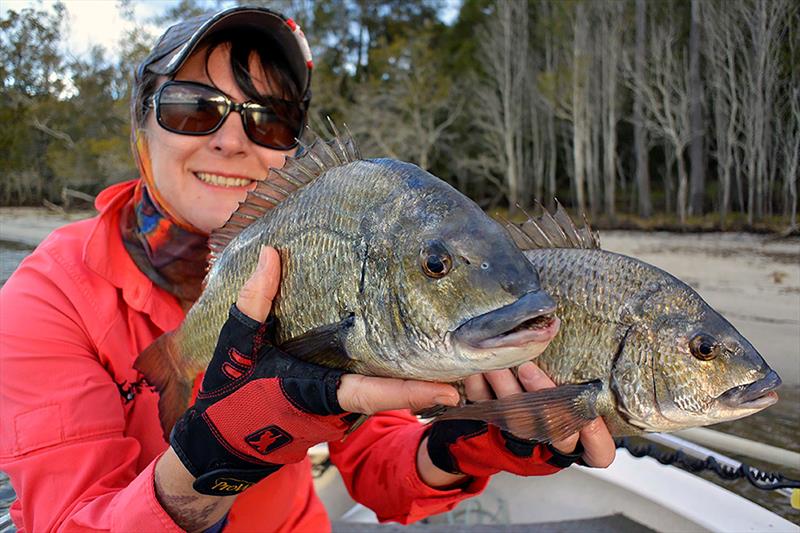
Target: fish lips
[
  {"x": 530, "y": 319},
  {"x": 756, "y": 395}
]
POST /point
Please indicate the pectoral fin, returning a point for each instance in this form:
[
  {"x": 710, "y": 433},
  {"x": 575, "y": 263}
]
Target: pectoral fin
[
  {"x": 170, "y": 373},
  {"x": 546, "y": 415},
  {"x": 324, "y": 345}
]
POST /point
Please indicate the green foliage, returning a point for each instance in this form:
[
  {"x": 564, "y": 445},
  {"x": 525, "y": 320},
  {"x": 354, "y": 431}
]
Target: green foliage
[
  {"x": 391, "y": 69},
  {"x": 459, "y": 42},
  {"x": 62, "y": 123},
  {"x": 29, "y": 57}
]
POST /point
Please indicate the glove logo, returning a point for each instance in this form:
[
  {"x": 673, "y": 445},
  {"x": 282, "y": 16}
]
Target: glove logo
[
  {"x": 230, "y": 485},
  {"x": 268, "y": 439}
]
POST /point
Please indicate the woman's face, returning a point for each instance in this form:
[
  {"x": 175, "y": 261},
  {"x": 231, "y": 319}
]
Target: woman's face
[{"x": 200, "y": 176}]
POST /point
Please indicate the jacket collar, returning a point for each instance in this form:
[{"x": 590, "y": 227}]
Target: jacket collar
[{"x": 105, "y": 254}]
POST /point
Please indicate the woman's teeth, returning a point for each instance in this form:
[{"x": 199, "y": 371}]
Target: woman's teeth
[{"x": 222, "y": 181}]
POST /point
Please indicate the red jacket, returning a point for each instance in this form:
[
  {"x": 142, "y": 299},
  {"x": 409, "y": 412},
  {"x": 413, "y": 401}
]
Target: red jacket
[{"x": 81, "y": 456}]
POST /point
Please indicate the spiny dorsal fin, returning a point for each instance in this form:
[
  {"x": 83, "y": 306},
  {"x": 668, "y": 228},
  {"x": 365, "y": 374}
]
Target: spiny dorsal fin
[
  {"x": 298, "y": 172},
  {"x": 555, "y": 230}
]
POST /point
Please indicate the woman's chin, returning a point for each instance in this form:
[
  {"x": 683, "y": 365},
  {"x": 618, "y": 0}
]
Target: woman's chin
[{"x": 209, "y": 218}]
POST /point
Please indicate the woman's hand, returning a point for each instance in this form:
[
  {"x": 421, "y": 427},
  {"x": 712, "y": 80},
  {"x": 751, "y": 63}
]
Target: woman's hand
[
  {"x": 599, "y": 449},
  {"x": 457, "y": 448},
  {"x": 598, "y": 446}
]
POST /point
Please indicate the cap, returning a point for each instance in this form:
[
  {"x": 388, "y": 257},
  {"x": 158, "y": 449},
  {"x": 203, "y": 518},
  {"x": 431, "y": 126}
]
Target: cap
[{"x": 180, "y": 40}]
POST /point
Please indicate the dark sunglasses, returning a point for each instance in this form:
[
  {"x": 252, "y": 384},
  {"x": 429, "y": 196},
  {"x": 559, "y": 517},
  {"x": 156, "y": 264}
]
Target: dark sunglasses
[{"x": 191, "y": 108}]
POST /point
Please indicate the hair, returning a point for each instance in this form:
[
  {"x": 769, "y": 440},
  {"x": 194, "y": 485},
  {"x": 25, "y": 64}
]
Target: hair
[{"x": 243, "y": 43}]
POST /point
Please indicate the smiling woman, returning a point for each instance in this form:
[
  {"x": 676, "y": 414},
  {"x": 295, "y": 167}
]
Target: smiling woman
[{"x": 194, "y": 173}]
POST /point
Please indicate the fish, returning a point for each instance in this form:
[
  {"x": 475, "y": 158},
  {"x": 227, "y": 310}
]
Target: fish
[
  {"x": 386, "y": 270},
  {"x": 636, "y": 345}
]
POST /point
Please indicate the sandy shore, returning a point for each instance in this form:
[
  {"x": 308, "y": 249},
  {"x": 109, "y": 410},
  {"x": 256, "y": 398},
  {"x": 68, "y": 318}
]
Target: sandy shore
[
  {"x": 29, "y": 225},
  {"x": 753, "y": 280}
]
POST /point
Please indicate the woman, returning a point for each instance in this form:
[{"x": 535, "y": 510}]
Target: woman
[{"x": 81, "y": 440}]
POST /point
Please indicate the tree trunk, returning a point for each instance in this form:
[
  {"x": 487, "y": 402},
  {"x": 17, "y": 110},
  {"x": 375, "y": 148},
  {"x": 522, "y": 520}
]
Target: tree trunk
[
  {"x": 579, "y": 123},
  {"x": 552, "y": 141},
  {"x": 792, "y": 156},
  {"x": 553, "y": 159},
  {"x": 612, "y": 14},
  {"x": 669, "y": 179},
  {"x": 683, "y": 184},
  {"x": 698, "y": 168},
  {"x": 639, "y": 132},
  {"x": 594, "y": 114}
]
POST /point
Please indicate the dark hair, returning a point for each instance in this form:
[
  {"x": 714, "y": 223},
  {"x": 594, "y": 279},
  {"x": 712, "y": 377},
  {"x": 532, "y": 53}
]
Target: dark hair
[{"x": 243, "y": 43}]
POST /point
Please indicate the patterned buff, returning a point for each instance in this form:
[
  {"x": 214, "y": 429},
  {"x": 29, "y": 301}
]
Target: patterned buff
[{"x": 172, "y": 253}]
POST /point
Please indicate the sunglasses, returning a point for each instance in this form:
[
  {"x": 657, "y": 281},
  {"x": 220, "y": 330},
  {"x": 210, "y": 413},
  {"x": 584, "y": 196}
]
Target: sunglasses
[{"x": 190, "y": 108}]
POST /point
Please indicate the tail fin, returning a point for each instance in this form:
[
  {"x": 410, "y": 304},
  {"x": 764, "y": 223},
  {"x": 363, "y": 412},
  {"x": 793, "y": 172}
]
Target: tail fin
[
  {"x": 546, "y": 415},
  {"x": 163, "y": 368}
]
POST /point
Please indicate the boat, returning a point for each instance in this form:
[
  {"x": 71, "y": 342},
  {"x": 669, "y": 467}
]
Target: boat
[{"x": 633, "y": 494}]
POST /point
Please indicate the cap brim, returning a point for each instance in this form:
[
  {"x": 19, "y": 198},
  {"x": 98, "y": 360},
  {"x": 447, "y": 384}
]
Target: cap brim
[{"x": 259, "y": 19}]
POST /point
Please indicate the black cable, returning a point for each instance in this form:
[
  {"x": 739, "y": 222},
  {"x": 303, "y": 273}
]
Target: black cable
[{"x": 757, "y": 478}]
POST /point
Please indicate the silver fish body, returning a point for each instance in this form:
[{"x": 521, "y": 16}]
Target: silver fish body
[
  {"x": 651, "y": 354},
  {"x": 632, "y": 326}
]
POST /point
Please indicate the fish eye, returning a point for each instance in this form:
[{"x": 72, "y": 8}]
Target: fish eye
[
  {"x": 704, "y": 347},
  {"x": 435, "y": 260}
]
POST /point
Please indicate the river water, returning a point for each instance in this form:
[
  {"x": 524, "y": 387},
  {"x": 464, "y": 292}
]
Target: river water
[{"x": 752, "y": 280}]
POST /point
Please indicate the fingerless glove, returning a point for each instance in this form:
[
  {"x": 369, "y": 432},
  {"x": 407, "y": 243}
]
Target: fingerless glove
[{"x": 257, "y": 409}]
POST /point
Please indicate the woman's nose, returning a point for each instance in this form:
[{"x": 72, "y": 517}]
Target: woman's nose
[{"x": 230, "y": 139}]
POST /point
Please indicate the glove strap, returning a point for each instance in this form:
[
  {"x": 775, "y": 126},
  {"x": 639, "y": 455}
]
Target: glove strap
[
  {"x": 191, "y": 437},
  {"x": 443, "y": 435}
]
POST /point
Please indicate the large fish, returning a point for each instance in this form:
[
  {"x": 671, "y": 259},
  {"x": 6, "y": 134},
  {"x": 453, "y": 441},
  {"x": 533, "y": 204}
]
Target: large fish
[
  {"x": 637, "y": 346},
  {"x": 386, "y": 271}
]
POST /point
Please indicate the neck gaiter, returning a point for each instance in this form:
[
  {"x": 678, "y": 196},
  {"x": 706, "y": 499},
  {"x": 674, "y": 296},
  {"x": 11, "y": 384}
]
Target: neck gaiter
[{"x": 169, "y": 250}]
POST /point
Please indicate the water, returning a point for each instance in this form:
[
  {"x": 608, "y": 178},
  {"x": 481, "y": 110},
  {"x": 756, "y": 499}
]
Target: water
[
  {"x": 765, "y": 310},
  {"x": 11, "y": 254},
  {"x": 7, "y": 497}
]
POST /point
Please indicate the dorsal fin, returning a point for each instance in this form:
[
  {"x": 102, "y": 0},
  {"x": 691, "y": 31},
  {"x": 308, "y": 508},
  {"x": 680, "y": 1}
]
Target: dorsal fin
[
  {"x": 298, "y": 172},
  {"x": 555, "y": 230}
]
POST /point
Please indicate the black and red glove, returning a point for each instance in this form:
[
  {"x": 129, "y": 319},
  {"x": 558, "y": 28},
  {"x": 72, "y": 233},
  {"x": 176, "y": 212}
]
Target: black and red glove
[
  {"x": 258, "y": 408},
  {"x": 479, "y": 449}
]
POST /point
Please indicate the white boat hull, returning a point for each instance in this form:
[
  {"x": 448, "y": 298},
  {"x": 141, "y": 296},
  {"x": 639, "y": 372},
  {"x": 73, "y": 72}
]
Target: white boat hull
[{"x": 659, "y": 497}]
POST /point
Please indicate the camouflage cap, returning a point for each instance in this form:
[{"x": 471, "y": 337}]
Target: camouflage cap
[{"x": 180, "y": 40}]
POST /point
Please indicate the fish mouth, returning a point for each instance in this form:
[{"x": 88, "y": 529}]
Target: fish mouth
[
  {"x": 531, "y": 319},
  {"x": 756, "y": 395}
]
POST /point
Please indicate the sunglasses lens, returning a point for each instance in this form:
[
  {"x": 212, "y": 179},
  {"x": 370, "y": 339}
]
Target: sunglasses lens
[
  {"x": 276, "y": 127},
  {"x": 185, "y": 107},
  {"x": 190, "y": 108}
]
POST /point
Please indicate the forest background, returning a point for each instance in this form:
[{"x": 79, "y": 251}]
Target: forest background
[{"x": 678, "y": 114}]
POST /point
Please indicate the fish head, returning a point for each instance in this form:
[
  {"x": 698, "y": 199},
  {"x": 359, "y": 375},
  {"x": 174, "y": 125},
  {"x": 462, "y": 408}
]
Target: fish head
[
  {"x": 696, "y": 368},
  {"x": 469, "y": 298}
]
